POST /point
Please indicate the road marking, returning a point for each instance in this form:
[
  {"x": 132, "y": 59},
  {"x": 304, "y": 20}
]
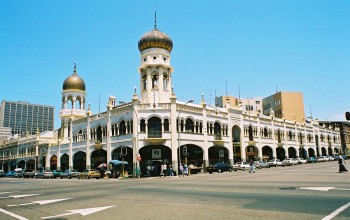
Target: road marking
[
  {"x": 82, "y": 212},
  {"x": 336, "y": 212},
  {"x": 8, "y": 192},
  {"x": 21, "y": 196},
  {"x": 13, "y": 215},
  {"x": 325, "y": 189},
  {"x": 317, "y": 188},
  {"x": 43, "y": 202}
]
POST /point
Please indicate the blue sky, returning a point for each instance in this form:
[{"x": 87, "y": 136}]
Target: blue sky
[{"x": 298, "y": 45}]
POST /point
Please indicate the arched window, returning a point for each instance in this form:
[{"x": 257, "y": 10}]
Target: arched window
[
  {"x": 122, "y": 128},
  {"x": 166, "y": 124},
  {"x": 142, "y": 125},
  {"x": 154, "y": 80},
  {"x": 279, "y": 135},
  {"x": 266, "y": 133},
  {"x": 250, "y": 132},
  {"x": 189, "y": 126},
  {"x": 99, "y": 134},
  {"x": 154, "y": 127}
]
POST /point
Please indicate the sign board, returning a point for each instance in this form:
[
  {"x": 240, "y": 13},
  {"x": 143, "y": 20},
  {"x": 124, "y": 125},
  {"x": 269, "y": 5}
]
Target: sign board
[
  {"x": 156, "y": 154},
  {"x": 221, "y": 153},
  {"x": 138, "y": 158}
]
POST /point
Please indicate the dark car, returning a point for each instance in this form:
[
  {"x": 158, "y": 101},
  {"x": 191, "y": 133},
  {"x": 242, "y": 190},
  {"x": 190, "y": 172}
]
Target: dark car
[
  {"x": 311, "y": 160},
  {"x": 57, "y": 173},
  {"x": 219, "y": 167},
  {"x": 2, "y": 173}
]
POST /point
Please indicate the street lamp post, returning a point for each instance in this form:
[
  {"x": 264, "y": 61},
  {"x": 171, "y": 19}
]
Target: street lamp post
[
  {"x": 178, "y": 133},
  {"x": 136, "y": 140}
]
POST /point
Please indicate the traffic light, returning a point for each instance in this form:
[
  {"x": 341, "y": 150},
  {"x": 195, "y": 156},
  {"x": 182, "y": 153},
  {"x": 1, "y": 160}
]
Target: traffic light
[
  {"x": 184, "y": 150},
  {"x": 347, "y": 116}
]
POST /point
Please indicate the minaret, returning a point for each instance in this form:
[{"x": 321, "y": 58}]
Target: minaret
[
  {"x": 155, "y": 69},
  {"x": 73, "y": 102}
]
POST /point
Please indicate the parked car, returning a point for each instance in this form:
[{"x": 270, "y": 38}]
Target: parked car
[
  {"x": 10, "y": 174},
  {"x": 219, "y": 167},
  {"x": 321, "y": 159},
  {"x": 26, "y": 173},
  {"x": 89, "y": 173},
  {"x": 70, "y": 174},
  {"x": 2, "y": 173},
  {"x": 262, "y": 164},
  {"x": 48, "y": 174},
  {"x": 38, "y": 174},
  {"x": 301, "y": 160},
  {"x": 287, "y": 162},
  {"x": 331, "y": 158},
  {"x": 241, "y": 166},
  {"x": 311, "y": 160},
  {"x": 57, "y": 173},
  {"x": 274, "y": 163}
]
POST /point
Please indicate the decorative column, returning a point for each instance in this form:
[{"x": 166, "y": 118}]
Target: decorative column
[
  {"x": 59, "y": 154},
  {"x": 70, "y": 163},
  {"x": 108, "y": 136},
  {"x": 88, "y": 138}
]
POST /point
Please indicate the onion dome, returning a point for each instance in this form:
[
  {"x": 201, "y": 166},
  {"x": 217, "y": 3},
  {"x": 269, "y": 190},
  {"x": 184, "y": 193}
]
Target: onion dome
[
  {"x": 74, "y": 82},
  {"x": 155, "y": 39}
]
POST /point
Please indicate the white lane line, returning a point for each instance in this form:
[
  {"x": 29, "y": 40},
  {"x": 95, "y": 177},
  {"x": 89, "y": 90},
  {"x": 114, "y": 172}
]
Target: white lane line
[
  {"x": 336, "y": 212},
  {"x": 13, "y": 215},
  {"x": 7, "y": 192},
  {"x": 31, "y": 203}
]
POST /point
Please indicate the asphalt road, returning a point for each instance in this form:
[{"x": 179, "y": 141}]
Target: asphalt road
[{"x": 312, "y": 191}]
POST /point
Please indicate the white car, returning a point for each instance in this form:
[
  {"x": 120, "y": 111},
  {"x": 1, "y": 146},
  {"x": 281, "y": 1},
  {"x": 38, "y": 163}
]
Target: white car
[
  {"x": 301, "y": 160},
  {"x": 287, "y": 162},
  {"x": 241, "y": 166},
  {"x": 274, "y": 163},
  {"x": 295, "y": 161}
]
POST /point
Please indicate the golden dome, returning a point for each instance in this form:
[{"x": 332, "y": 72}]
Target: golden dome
[
  {"x": 74, "y": 82},
  {"x": 157, "y": 39}
]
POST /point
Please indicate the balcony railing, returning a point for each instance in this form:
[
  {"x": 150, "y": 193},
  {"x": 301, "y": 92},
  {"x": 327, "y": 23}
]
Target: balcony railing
[
  {"x": 217, "y": 137},
  {"x": 154, "y": 134}
]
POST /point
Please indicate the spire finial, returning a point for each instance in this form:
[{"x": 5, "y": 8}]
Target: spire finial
[
  {"x": 155, "y": 16},
  {"x": 75, "y": 68}
]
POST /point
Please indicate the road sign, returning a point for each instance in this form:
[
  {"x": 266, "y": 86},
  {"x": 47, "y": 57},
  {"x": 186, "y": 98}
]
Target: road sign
[{"x": 138, "y": 157}]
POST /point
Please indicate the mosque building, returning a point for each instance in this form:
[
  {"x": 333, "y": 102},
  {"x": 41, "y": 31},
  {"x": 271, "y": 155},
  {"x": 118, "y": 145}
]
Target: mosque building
[{"x": 155, "y": 127}]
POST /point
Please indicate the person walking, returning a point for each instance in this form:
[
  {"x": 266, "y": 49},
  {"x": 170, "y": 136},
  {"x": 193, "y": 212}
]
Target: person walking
[
  {"x": 341, "y": 164},
  {"x": 185, "y": 171},
  {"x": 181, "y": 170},
  {"x": 252, "y": 167}
]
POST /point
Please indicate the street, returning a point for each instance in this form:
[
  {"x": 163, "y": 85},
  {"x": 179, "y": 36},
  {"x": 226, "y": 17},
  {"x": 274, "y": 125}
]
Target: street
[{"x": 310, "y": 191}]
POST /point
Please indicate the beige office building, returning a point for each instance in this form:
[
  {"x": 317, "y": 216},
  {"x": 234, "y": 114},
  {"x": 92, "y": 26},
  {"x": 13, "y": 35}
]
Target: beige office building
[{"x": 287, "y": 105}]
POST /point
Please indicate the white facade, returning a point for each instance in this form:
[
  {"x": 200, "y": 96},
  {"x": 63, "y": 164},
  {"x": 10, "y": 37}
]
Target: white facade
[{"x": 157, "y": 128}]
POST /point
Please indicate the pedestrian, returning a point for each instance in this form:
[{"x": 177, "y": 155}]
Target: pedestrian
[
  {"x": 341, "y": 165},
  {"x": 252, "y": 167},
  {"x": 165, "y": 170},
  {"x": 181, "y": 173},
  {"x": 161, "y": 170},
  {"x": 185, "y": 171}
]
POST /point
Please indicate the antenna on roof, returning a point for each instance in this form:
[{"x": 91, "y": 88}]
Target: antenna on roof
[
  {"x": 276, "y": 88},
  {"x": 239, "y": 92},
  {"x": 226, "y": 87},
  {"x": 310, "y": 112},
  {"x": 155, "y": 16}
]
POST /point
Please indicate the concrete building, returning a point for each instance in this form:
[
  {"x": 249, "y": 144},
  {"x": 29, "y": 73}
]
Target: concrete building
[
  {"x": 155, "y": 127},
  {"x": 344, "y": 129},
  {"x": 5, "y": 132},
  {"x": 287, "y": 105},
  {"x": 247, "y": 104},
  {"x": 23, "y": 117}
]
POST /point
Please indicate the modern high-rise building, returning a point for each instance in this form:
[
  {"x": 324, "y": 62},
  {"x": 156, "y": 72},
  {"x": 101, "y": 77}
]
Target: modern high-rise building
[
  {"x": 287, "y": 105},
  {"x": 23, "y": 117}
]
